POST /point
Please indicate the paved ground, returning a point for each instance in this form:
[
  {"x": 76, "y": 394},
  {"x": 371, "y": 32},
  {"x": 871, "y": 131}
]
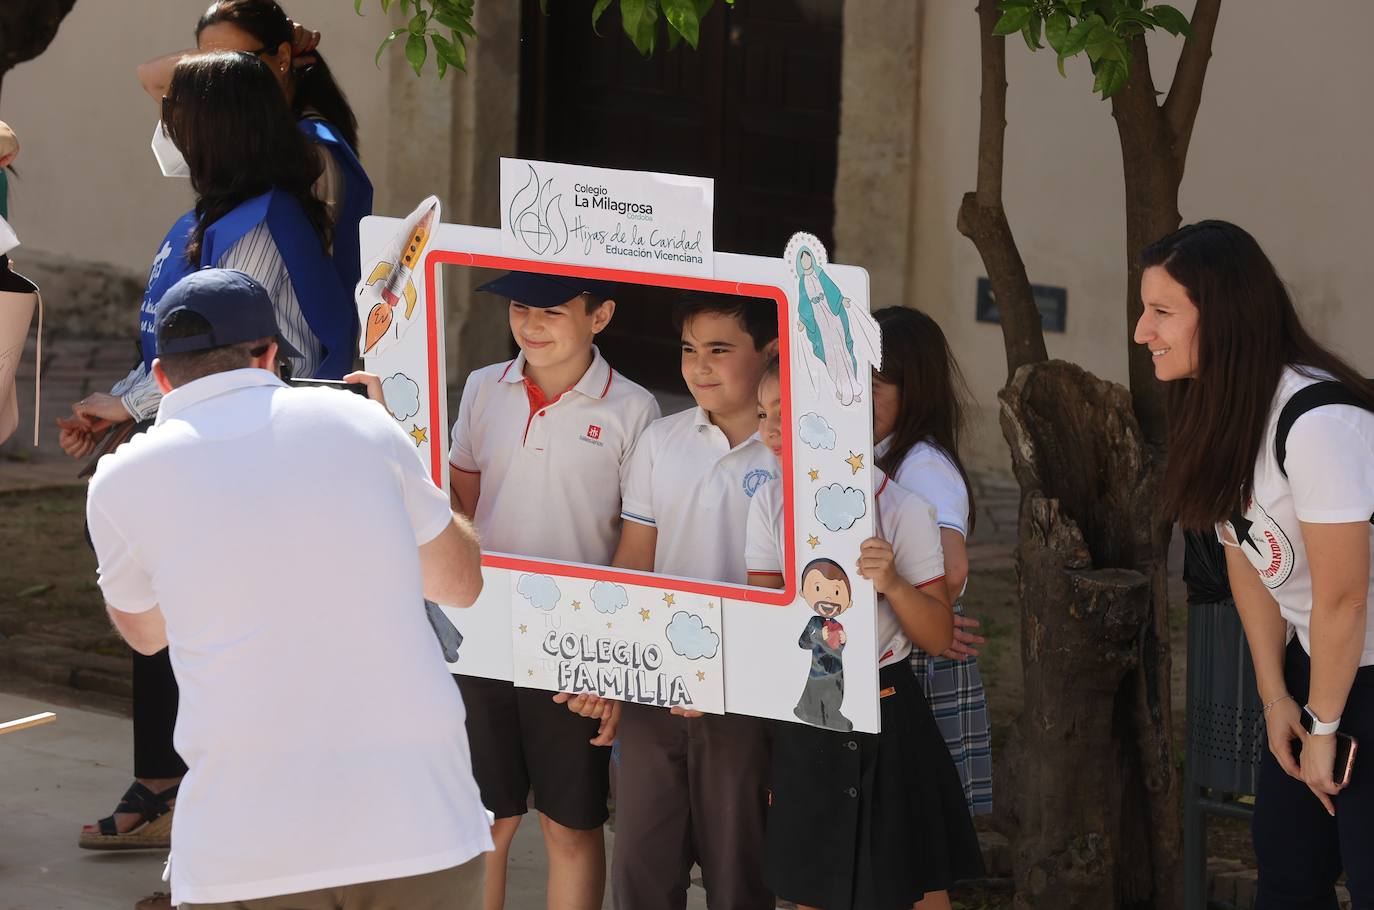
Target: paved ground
[{"x": 55, "y": 777}]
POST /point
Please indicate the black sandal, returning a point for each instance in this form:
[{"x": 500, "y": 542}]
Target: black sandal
[{"x": 154, "y": 829}]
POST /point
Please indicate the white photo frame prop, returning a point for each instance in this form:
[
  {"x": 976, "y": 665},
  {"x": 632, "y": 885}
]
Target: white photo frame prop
[{"x": 543, "y": 623}]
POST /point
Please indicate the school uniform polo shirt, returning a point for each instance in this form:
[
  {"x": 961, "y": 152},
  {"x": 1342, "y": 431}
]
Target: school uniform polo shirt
[
  {"x": 686, "y": 481},
  {"x": 905, "y": 520},
  {"x": 551, "y": 469}
]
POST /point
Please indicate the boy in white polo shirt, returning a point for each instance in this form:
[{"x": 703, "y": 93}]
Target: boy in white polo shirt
[
  {"x": 693, "y": 788},
  {"x": 538, "y": 453}
]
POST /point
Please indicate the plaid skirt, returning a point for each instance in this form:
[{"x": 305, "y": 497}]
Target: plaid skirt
[{"x": 954, "y": 689}]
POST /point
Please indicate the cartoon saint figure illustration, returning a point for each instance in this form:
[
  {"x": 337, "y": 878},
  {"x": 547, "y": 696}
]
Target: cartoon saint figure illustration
[
  {"x": 391, "y": 280},
  {"x": 825, "y": 588},
  {"x": 843, "y": 338}
]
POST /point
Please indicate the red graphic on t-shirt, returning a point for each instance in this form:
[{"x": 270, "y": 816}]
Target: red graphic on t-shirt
[{"x": 593, "y": 432}]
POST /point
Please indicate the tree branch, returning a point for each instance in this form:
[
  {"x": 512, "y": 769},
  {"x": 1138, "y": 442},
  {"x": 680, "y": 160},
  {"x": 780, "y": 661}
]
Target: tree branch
[
  {"x": 1185, "y": 94},
  {"x": 992, "y": 104},
  {"x": 982, "y": 218}
]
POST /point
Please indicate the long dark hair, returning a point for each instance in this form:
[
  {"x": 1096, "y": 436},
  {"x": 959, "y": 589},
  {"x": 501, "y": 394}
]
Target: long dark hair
[
  {"x": 930, "y": 389},
  {"x": 1247, "y": 332},
  {"x": 226, "y": 114},
  {"x": 315, "y": 88}
]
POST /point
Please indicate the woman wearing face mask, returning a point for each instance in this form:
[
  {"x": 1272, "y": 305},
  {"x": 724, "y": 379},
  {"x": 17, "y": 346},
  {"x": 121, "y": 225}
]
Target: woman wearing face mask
[
  {"x": 261, "y": 27},
  {"x": 252, "y": 171},
  {"x": 1271, "y": 447}
]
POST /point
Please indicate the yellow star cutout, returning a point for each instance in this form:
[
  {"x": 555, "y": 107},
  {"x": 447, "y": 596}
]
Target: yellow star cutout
[
  {"x": 530, "y": 672},
  {"x": 701, "y": 676},
  {"x": 644, "y": 614},
  {"x": 855, "y": 461},
  {"x": 668, "y": 599},
  {"x": 419, "y": 434},
  {"x": 815, "y": 475},
  {"x": 577, "y": 604},
  {"x": 814, "y": 541},
  {"x": 524, "y": 628}
]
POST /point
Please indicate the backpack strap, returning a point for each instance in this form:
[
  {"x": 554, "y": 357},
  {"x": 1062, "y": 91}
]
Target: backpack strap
[{"x": 1304, "y": 400}]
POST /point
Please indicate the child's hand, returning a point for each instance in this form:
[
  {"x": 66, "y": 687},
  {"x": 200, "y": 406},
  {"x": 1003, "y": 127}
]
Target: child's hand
[
  {"x": 963, "y": 649},
  {"x": 877, "y": 563},
  {"x": 607, "y": 710}
]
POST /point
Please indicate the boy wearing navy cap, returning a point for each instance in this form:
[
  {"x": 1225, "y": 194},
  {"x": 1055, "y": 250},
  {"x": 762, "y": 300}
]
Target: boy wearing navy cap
[{"x": 537, "y": 459}]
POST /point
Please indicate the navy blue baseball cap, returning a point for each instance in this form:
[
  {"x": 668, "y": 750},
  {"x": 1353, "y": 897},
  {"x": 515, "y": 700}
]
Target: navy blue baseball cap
[
  {"x": 236, "y": 306},
  {"x": 544, "y": 291}
]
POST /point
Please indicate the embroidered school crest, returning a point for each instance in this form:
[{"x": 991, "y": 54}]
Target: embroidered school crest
[
  {"x": 593, "y": 431},
  {"x": 1264, "y": 543},
  {"x": 755, "y": 479}
]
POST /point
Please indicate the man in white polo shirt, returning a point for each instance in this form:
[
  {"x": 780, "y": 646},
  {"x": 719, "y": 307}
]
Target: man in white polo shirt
[
  {"x": 539, "y": 450},
  {"x": 281, "y": 541}
]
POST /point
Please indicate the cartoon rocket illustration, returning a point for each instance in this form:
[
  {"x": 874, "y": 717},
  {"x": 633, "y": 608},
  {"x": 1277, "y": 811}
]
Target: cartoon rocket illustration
[{"x": 392, "y": 279}]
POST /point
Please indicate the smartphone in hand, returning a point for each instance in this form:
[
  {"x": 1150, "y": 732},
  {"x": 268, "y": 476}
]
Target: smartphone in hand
[
  {"x": 1345, "y": 757},
  {"x": 357, "y": 388}
]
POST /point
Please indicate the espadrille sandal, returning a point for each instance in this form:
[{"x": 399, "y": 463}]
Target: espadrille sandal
[{"x": 153, "y": 831}]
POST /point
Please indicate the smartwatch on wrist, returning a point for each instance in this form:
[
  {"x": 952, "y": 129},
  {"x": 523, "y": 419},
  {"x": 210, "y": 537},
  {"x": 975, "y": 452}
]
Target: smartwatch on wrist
[{"x": 1314, "y": 725}]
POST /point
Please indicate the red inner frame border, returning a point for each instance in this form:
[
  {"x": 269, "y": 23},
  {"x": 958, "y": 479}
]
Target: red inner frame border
[{"x": 774, "y": 596}]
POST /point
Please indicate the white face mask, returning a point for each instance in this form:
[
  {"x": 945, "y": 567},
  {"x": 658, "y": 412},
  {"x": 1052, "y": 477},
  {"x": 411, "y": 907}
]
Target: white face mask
[{"x": 168, "y": 156}]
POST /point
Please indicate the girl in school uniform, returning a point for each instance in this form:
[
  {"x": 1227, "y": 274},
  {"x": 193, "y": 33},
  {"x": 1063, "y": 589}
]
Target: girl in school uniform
[
  {"x": 917, "y": 418},
  {"x": 865, "y": 820}
]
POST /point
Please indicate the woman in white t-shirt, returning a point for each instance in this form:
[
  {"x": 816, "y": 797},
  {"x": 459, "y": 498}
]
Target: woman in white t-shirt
[{"x": 1295, "y": 515}]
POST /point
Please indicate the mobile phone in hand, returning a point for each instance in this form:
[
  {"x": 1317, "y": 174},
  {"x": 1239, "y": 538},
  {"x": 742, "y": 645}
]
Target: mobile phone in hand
[
  {"x": 357, "y": 388},
  {"x": 1345, "y": 757}
]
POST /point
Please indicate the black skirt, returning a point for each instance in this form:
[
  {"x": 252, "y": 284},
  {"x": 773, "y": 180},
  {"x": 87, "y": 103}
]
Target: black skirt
[{"x": 864, "y": 821}]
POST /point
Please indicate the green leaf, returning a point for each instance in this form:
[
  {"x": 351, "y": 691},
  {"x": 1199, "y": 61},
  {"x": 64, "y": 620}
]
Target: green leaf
[
  {"x": 1005, "y": 5},
  {"x": 598, "y": 11},
  {"x": 1101, "y": 42},
  {"x": 1075, "y": 7},
  {"x": 1077, "y": 39},
  {"x": 1171, "y": 20},
  {"x": 1013, "y": 20},
  {"x": 1031, "y": 32},
  {"x": 638, "y": 18},
  {"x": 358, "y": 7},
  {"x": 385, "y": 41},
  {"x": 386, "y": 6},
  {"x": 683, "y": 19},
  {"x": 448, "y": 52},
  {"x": 544, "y": 7},
  {"x": 35, "y": 590},
  {"x": 455, "y": 21},
  {"x": 416, "y": 52},
  {"x": 674, "y": 39},
  {"x": 1057, "y": 30},
  {"x": 417, "y": 24},
  {"x": 1111, "y": 76}
]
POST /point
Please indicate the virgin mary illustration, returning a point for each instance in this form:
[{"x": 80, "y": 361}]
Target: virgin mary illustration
[{"x": 843, "y": 339}]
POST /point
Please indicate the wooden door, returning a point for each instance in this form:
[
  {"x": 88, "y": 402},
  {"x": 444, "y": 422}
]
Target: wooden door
[{"x": 756, "y": 107}]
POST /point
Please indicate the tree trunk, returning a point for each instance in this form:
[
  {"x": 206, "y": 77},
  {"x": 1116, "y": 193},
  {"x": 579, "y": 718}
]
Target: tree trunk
[{"x": 1085, "y": 585}]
